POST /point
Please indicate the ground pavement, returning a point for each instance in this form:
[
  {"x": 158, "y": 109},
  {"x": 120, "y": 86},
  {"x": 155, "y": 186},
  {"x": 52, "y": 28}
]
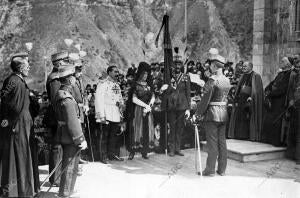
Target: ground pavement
[{"x": 162, "y": 176}]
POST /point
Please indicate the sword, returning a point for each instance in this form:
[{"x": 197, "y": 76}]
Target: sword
[
  {"x": 90, "y": 137},
  {"x": 69, "y": 162},
  {"x": 198, "y": 152},
  {"x": 52, "y": 172}
]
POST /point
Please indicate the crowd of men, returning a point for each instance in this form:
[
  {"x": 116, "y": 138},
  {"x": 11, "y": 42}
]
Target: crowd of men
[{"x": 231, "y": 104}]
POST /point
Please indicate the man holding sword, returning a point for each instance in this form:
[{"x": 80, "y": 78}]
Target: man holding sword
[
  {"x": 69, "y": 132},
  {"x": 212, "y": 110}
]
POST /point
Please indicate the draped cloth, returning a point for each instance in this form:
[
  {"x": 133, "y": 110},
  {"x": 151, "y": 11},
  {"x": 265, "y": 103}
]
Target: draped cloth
[{"x": 255, "y": 122}]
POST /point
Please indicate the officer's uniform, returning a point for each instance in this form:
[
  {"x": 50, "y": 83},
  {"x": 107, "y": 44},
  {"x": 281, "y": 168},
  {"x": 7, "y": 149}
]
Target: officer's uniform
[
  {"x": 179, "y": 100},
  {"x": 213, "y": 108},
  {"x": 52, "y": 85},
  {"x": 108, "y": 100},
  {"x": 69, "y": 135}
]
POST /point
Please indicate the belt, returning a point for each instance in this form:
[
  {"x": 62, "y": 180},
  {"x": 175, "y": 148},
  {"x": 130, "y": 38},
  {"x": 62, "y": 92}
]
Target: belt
[
  {"x": 218, "y": 103},
  {"x": 61, "y": 123}
]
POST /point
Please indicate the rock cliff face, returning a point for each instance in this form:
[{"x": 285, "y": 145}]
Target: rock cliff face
[{"x": 112, "y": 31}]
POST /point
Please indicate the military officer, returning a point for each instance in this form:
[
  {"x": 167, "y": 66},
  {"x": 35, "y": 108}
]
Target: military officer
[
  {"x": 213, "y": 110},
  {"x": 69, "y": 131},
  {"x": 179, "y": 104},
  {"x": 52, "y": 86},
  {"x": 109, "y": 106},
  {"x": 82, "y": 103}
]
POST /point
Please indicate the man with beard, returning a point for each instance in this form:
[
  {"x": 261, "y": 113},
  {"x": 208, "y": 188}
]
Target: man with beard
[
  {"x": 15, "y": 156},
  {"x": 179, "y": 104},
  {"x": 276, "y": 104},
  {"x": 246, "y": 118}
]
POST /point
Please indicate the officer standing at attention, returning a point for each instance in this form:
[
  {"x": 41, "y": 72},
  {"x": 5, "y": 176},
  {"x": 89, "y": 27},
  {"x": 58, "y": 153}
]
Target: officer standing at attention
[
  {"x": 82, "y": 103},
  {"x": 69, "y": 131},
  {"x": 109, "y": 106},
  {"x": 52, "y": 86},
  {"x": 212, "y": 110}
]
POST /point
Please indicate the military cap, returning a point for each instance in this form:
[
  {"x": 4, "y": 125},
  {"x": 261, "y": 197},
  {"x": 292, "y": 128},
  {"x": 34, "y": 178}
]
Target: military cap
[
  {"x": 20, "y": 54},
  {"x": 78, "y": 64},
  {"x": 215, "y": 56},
  {"x": 66, "y": 70},
  {"x": 59, "y": 56}
]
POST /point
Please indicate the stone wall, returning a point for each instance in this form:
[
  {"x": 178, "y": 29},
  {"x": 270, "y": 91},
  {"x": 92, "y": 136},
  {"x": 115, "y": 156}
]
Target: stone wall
[{"x": 274, "y": 35}]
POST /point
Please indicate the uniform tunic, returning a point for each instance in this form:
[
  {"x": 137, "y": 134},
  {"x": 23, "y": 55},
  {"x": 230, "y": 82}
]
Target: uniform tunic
[
  {"x": 108, "y": 96},
  {"x": 213, "y": 108},
  {"x": 70, "y": 135},
  {"x": 15, "y": 155}
]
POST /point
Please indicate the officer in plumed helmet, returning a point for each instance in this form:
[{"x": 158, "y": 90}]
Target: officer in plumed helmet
[{"x": 69, "y": 131}]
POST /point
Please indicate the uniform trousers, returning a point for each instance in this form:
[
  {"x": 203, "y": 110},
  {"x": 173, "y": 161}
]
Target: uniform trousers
[
  {"x": 108, "y": 139},
  {"x": 176, "y": 121},
  {"x": 216, "y": 146},
  {"x": 70, "y": 167},
  {"x": 55, "y": 155}
]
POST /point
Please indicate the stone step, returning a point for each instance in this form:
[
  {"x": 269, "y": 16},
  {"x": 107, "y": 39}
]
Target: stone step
[{"x": 248, "y": 151}]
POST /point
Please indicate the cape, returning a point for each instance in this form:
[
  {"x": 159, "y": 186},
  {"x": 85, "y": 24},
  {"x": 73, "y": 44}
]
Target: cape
[{"x": 257, "y": 94}]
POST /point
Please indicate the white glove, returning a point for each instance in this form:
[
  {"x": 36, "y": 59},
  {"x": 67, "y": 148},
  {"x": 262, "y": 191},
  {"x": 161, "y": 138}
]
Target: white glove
[
  {"x": 148, "y": 109},
  {"x": 83, "y": 145},
  {"x": 187, "y": 113},
  {"x": 164, "y": 87},
  {"x": 194, "y": 118}
]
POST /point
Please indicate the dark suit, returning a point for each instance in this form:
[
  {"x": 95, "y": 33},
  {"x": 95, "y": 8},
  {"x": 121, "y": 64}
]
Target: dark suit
[
  {"x": 70, "y": 135},
  {"x": 213, "y": 106},
  {"x": 179, "y": 100}
]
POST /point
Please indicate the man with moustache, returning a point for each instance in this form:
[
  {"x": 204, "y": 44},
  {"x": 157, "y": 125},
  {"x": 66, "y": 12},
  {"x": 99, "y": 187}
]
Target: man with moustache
[{"x": 179, "y": 105}]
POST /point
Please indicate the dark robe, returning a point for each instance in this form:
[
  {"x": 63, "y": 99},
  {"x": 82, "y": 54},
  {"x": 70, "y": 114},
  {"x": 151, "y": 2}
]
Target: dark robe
[
  {"x": 293, "y": 136},
  {"x": 16, "y": 170},
  {"x": 276, "y": 95},
  {"x": 246, "y": 118}
]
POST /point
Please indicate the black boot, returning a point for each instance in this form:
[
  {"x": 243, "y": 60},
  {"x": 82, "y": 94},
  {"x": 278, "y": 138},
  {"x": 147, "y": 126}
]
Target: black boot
[{"x": 131, "y": 155}]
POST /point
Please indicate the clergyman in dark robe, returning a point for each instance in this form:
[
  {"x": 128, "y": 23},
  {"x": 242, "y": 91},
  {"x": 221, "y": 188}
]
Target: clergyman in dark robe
[
  {"x": 293, "y": 137},
  {"x": 246, "y": 118},
  {"x": 275, "y": 105},
  {"x": 15, "y": 156}
]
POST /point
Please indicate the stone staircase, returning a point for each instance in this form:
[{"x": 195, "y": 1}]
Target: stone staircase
[{"x": 247, "y": 151}]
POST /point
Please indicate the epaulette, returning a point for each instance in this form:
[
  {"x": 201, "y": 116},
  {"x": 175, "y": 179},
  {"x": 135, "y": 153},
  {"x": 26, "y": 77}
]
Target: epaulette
[{"x": 53, "y": 76}]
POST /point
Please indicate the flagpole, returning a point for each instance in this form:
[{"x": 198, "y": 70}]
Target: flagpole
[
  {"x": 144, "y": 42},
  {"x": 166, "y": 110},
  {"x": 185, "y": 32}
]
